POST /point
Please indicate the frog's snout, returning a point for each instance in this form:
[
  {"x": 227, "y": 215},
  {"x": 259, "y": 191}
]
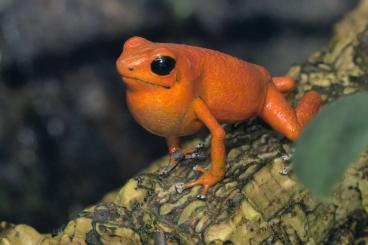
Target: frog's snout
[{"x": 123, "y": 67}]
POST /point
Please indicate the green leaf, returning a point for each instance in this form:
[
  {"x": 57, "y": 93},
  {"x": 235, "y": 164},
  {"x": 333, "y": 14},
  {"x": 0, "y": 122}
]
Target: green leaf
[{"x": 330, "y": 142}]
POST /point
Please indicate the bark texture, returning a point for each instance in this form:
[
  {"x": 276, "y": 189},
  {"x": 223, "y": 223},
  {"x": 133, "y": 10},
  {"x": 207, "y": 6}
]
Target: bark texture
[{"x": 258, "y": 202}]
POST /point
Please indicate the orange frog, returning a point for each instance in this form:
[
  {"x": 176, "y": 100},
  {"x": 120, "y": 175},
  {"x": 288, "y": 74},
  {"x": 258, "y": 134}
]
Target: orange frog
[{"x": 174, "y": 89}]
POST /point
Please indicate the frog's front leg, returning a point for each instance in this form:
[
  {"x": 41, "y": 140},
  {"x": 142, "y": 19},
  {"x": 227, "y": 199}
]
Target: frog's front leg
[
  {"x": 177, "y": 153},
  {"x": 217, "y": 170}
]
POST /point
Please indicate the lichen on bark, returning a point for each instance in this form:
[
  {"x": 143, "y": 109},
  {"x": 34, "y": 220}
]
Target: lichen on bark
[{"x": 259, "y": 201}]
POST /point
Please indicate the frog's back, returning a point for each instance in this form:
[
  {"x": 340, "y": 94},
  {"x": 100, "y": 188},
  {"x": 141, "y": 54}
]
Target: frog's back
[{"x": 233, "y": 89}]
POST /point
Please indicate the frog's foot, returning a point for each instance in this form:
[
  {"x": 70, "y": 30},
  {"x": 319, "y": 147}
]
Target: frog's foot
[
  {"x": 191, "y": 152},
  {"x": 180, "y": 155},
  {"x": 180, "y": 186},
  {"x": 175, "y": 157},
  {"x": 207, "y": 180}
]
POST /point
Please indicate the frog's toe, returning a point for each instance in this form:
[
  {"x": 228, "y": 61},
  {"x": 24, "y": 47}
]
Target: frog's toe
[
  {"x": 199, "y": 168},
  {"x": 207, "y": 180},
  {"x": 202, "y": 196}
]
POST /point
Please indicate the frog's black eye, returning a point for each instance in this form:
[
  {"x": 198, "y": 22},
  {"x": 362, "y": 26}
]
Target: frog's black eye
[{"x": 163, "y": 65}]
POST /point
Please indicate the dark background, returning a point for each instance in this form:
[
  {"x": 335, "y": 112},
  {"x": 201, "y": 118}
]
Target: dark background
[{"x": 66, "y": 137}]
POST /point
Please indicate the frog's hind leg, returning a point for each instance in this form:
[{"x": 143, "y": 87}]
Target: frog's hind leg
[
  {"x": 284, "y": 84},
  {"x": 280, "y": 115},
  {"x": 308, "y": 106}
]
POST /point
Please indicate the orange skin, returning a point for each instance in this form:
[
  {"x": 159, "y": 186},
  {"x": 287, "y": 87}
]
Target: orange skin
[{"x": 206, "y": 88}]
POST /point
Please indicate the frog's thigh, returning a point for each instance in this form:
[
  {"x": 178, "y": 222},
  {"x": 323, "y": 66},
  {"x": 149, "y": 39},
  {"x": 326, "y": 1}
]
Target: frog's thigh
[{"x": 280, "y": 115}]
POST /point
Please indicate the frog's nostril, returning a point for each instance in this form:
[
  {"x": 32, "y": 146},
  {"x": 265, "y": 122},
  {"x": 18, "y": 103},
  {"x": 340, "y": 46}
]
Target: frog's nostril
[{"x": 125, "y": 65}]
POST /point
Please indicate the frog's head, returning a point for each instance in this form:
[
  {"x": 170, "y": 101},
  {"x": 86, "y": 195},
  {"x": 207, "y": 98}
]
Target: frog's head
[{"x": 145, "y": 65}]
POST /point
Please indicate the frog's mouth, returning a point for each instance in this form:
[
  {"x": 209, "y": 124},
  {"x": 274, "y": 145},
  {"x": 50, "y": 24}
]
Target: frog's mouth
[{"x": 127, "y": 79}]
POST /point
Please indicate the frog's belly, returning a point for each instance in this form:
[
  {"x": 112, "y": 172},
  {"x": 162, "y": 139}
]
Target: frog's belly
[{"x": 163, "y": 119}]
